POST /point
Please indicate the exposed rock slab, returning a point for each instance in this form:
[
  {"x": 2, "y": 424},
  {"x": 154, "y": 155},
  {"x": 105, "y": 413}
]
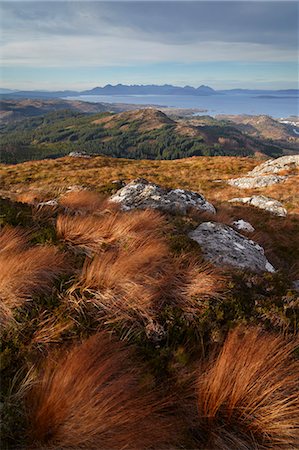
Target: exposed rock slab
[
  {"x": 262, "y": 202},
  {"x": 79, "y": 155},
  {"x": 243, "y": 225},
  {"x": 143, "y": 194},
  {"x": 256, "y": 181},
  {"x": 276, "y": 165},
  {"x": 224, "y": 246}
]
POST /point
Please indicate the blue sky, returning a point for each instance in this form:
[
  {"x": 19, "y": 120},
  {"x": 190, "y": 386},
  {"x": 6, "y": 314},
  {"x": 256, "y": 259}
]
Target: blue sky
[{"x": 78, "y": 45}]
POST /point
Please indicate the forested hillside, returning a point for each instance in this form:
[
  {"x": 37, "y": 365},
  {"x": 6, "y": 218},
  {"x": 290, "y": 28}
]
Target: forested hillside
[{"x": 141, "y": 134}]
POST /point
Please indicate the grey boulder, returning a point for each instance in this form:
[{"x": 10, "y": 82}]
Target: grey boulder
[
  {"x": 224, "y": 246},
  {"x": 243, "y": 225},
  {"x": 143, "y": 194},
  {"x": 262, "y": 202},
  {"x": 276, "y": 165},
  {"x": 249, "y": 182}
]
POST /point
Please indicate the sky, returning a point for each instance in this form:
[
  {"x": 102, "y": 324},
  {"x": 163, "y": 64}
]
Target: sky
[{"x": 82, "y": 44}]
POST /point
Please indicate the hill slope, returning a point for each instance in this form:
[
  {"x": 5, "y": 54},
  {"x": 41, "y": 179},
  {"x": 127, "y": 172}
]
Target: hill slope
[
  {"x": 146, "y": 133},
  {"x": 115, "y": 322}
]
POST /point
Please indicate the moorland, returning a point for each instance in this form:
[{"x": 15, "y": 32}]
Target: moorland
[{"x": 118, "y": 329}]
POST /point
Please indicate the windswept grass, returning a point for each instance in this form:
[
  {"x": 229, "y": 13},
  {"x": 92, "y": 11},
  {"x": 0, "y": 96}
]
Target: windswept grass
[
  {"x": 25, "y": 273},
  {"x": 92, "y": 233},
  {"x": 82, "y": 201},
  {"x": 247, "y": 397},
  {"x": 124, "y": 285},
  {"x": 93, "y": 397},
  {"x": 13, "y": 239}
]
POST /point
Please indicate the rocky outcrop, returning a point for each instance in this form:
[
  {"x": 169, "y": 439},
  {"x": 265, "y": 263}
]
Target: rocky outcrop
[
  {"x": 276, "y": 165},
  {"x": 143, "y": 194},
  {"x": 79, "y": 155},
  {"x": 262, "y": 202},
  {"x": 242, "y": 225},
  {"x": 224, "y": 246},
  {"x": 256, "y": 181},
  {"x": 265, "y": 174}
]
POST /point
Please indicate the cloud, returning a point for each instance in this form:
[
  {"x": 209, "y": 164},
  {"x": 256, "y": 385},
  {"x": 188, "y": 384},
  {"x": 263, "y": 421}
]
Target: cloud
[{"x": 65, "y": 34}]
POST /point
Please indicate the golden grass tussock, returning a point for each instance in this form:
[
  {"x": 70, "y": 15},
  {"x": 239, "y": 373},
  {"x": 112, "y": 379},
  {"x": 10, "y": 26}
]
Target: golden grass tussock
[
  {"x": 125, "y": 283},
  {"x": 50, "y": 329},
  {"x": 30, "y": 197},
  {"x": 134, "y": 284},
  {"x": 13, "y": 239},
  {"x": 248, "y": 396},
  {"x": 29, "y": 272},
  {"x": 94, "y": 398},
  {"x": 135, "y": 275},
  {"x": 90, "y": 233},
  {"x": 200, "y": 283},
  {"x": 83, "y": 201}
]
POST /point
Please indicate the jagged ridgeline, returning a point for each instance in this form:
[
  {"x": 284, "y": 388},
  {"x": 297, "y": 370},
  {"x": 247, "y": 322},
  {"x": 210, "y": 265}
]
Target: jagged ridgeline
[
  {"x": 144, "y": 317},
  {"x": 139, "y": 134}
]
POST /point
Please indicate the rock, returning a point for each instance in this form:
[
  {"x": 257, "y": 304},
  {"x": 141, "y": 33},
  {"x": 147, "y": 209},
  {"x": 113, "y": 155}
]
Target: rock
[
  {"x": 155, "y": 332},
  {"x": 257, "y": 181},
  {"x": 262, "y": 202},
  {"x": 276, "y": 165},
  {"x": 224, "y": 246},
  {"x": 53, "y": 202},
  {"x": 242, "y": 225},
  {"x": 143, "y": 194},
  {"x": 79, "y": 155}
]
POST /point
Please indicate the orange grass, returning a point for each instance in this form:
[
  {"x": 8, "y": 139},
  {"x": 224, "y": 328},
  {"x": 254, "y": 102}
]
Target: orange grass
[
  {"x": 13, "y": 239},
  {"x": 93, "y": 398},
  {"x": 90, "y": 233},
  {"x": 30, "y": 197},
  {"x": 248, "y": 396},
  {"x": 24, "y": 273},
  {"x": 82, "y": 201},
  {"x": 124, "y": 283},
  {"x": 136, "y": 283}
]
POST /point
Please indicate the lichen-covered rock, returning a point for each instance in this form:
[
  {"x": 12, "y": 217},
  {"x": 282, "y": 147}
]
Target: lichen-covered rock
[
  {"x": 143, "y": 194},
  {"x": 276, "y": 165},
  {"x": 256, "y": 181},
  {"x": 243, "y": 225},
  {"x": 262, "y": 202},
  {"x": 79, "y": 155},
  {"x": 224, "y": 246}
]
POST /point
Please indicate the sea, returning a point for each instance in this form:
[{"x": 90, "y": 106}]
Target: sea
[{"x": 278, "y": 106}]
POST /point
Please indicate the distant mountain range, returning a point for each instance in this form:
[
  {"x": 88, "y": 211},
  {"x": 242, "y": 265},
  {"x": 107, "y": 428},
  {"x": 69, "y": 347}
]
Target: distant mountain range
[{"x": 151, "y": 89}]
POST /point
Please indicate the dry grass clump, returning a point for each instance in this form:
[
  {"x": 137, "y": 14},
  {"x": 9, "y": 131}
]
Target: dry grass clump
[
  {"x": 134, "y": 284},
  {"x": 90, "y": 233},
  {"x": 28, "y": 272},
  {"x": 30, "y": 197},
  {"x": 124, "y": 284},
  {"x": 50, "y": 328},
  {"x": 83, "y": 201},
  {"x": 247, "y": 397},
  {"x": 135, "y": 275},
  {"x": 13, "y": 239},
  {"x": 200, "y": 282},
  {"x": 93, "y": 398}
]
